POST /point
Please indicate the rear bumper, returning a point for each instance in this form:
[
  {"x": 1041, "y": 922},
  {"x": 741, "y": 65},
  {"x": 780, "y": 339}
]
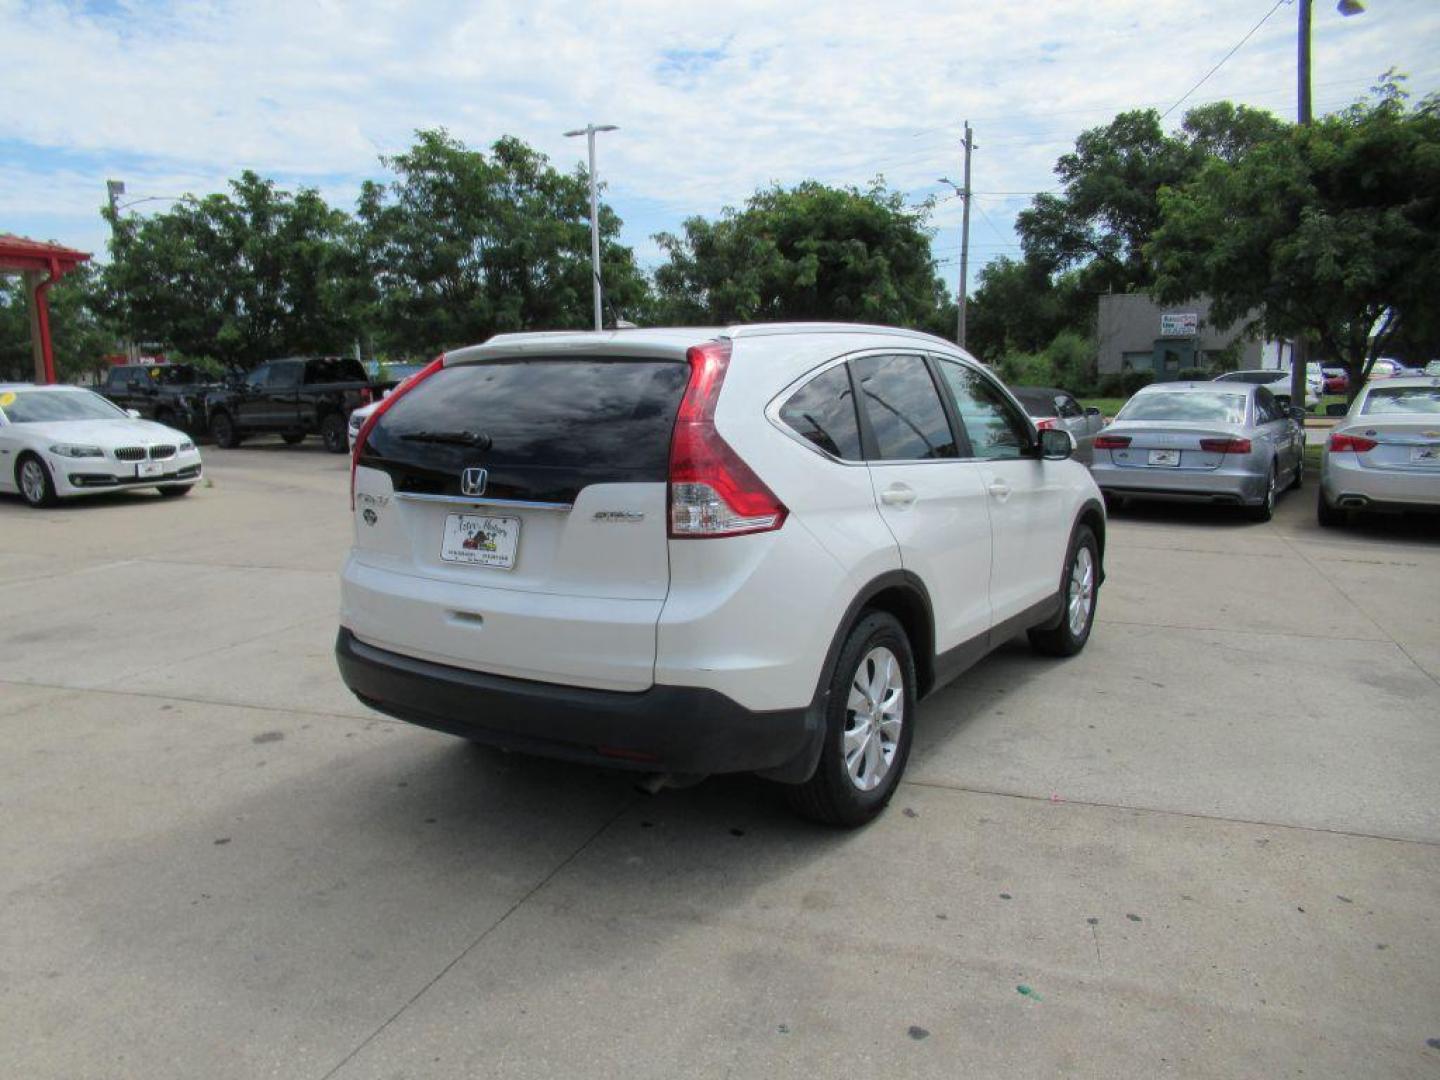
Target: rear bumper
[
  {"x": 1228, "y": 486},
  {"x": 1349, "y": 485},
  {"x": 675, "y": 729}
]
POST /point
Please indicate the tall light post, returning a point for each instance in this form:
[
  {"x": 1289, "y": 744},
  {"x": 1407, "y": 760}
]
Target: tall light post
[
  {"x": 1299, "y": 351},
  {"x": 589, "y": 131},
  {"x": 113, "y": 190}
]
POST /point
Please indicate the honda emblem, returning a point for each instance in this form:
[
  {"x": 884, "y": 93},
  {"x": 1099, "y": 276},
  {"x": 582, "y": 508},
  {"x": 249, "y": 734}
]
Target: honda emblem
[{"x": 472, "y": 482}]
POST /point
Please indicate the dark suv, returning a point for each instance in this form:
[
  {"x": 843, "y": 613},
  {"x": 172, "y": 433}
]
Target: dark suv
[
  {"x": 294, "y": 397},
  {"x": 170, "y": 394}
]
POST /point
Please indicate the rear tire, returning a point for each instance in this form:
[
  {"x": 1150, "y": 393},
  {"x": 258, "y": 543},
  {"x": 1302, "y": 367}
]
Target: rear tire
[
  {"x": 224, "y": 432},
  {"x": 1266, "y": 510},
  {"x": 869, "y": 710},
  {"x": 1079, "y": 596},
  {"x": 332, "y": 430},
  {"x": 33, "y": 480}
]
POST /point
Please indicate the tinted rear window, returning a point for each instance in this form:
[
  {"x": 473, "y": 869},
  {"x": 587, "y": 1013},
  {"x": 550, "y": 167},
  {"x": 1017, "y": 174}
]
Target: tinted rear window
[
  {"x": 823, "y": 412},
  {"x": 334, "y": 369},
  {"x": 1037, "y": 405},
  {"x": 544, "y": 429}
]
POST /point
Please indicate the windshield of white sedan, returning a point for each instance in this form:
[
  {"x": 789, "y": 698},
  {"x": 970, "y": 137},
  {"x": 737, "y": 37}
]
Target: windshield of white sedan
[
  {"x": 41, "y": 406},
  {"x": 1385, "y": 400},
  {"x": 1199, "y": 407}
]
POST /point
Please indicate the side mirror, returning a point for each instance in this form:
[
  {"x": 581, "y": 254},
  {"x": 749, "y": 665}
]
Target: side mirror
[
  {"x": 1056, "y": 444},
  {"x": 1092, "y": 411},
  {"x": 134, "y": 414}
]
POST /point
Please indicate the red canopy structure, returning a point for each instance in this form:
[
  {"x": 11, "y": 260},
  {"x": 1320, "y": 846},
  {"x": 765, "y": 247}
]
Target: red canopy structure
[{"x": 41, "y": 265}]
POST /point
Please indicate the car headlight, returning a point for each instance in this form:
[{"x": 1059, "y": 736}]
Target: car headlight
[
  {"x": 72, "y": 450},
  {"x": 186, "y": 445}
]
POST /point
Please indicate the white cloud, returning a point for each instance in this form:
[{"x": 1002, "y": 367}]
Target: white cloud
[{"x": 713, "y": 99}]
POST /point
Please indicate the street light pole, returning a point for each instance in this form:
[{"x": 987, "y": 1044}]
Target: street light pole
[
  {"x": 589, "y": 131},
  {"x": 963, "y": 193}
]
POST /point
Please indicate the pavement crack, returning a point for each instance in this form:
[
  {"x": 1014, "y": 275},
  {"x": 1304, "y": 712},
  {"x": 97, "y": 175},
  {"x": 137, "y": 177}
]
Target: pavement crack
[
  {"x": 1069, "y": 801},
  {"x": 480, "y": 938}
]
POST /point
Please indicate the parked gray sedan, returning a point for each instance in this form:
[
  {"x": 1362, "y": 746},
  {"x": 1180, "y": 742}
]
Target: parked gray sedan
[
  {"x": 1227, "y": 443},
  {"x": 1385, "y": 454},
  {"x": 1050, "y": 407}
]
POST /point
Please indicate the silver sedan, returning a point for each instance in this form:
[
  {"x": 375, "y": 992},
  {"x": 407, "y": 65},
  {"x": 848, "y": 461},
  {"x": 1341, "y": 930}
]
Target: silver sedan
[
  {"x": 1225, "y": 443},
  {"x": 1052, "y": 407},
  {"x": 1385, "y": 454}
]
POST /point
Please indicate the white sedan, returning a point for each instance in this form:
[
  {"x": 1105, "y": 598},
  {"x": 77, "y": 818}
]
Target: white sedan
[{"x": 61, "y": 441}]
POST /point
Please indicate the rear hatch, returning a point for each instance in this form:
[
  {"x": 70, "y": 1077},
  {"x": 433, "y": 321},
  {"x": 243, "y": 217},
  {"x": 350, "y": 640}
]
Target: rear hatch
[{"x": 511, "y": 518}]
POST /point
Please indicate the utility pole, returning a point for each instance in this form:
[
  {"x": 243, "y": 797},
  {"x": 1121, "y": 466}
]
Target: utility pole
[
  {"x": 589, "y": 131},
  {"x": 1299, "y": 351},
  {"x": 963, "y": 193}
]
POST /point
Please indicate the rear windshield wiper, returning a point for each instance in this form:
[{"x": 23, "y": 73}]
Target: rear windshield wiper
[{"x": 454, "y": 438}]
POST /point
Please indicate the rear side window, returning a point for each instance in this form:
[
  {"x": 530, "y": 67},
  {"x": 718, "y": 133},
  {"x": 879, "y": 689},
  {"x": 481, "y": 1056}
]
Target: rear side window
[
  {"x": 823, "y": 412},
  {"x": 328, "y": 369},
  {"x": 543, "y": 428},
  {"x": 903, "y": 408}
]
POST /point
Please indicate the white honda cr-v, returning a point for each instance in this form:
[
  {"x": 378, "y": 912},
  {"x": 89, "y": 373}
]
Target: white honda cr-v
[{"x": 696, "y": 551}]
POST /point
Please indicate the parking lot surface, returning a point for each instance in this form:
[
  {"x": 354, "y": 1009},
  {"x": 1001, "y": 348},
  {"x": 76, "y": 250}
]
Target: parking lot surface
[{"x": 1209, "y": 846}]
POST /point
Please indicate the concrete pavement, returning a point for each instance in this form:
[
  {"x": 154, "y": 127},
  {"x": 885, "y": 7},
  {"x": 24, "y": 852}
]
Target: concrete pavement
[{"x": 1209, "y": 846}]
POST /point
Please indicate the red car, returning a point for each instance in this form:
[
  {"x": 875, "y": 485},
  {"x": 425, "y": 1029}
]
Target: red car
[{"x": 1337, "y": 380}]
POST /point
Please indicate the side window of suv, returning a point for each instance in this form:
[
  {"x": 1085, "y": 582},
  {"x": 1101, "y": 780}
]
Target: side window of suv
[
  {"x": 996, "y": 430},
  {"x": 903, "y": 407},
  {"x": 257, "y": 378},
  {"x": 284, "y": 376},
  {"x": 115, "y": 379},
  {"x": 822, "y": 412}
]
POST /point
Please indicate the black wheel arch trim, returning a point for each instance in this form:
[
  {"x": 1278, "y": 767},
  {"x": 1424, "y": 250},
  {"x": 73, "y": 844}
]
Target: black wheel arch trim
[{"x": 904, "y": 583}]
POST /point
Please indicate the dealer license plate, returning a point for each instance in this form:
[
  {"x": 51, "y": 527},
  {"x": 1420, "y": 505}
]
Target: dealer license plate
[
  {"x": 1425, "y": 455},
  {"x": 1165, "y": 457},
  {"x": 480, "y": 540},
  {"x": 150, "y": 468}
]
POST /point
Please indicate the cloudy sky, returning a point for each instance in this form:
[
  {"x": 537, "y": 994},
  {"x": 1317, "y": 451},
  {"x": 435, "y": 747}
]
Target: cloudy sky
[{"x": 713, "y": 99}]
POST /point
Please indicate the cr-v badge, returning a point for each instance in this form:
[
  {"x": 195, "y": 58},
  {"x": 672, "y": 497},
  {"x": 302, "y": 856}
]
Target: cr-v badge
[{"x": 472, "y": 482}]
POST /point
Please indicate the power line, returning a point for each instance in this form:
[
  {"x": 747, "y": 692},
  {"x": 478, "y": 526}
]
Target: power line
[{"x": 1227, "y": 56}]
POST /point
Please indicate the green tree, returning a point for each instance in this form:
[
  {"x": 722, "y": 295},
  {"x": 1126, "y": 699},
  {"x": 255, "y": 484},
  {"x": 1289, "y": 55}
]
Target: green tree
[
  {"x": 79, "y": 329},
  {"x": 243, "y": 276},
  {"x": 807, "y": 252},
  {"x": 1019, "y": 306},
  {"x": 463, "y": 245},
  {"x": 1331, "y": 232},
  {"x": 1109, "y": 207}
]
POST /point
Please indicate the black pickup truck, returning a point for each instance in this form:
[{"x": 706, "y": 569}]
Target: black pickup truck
[
  {"x": 172, "y": 394},
  {"x": 294, "y": 397}
]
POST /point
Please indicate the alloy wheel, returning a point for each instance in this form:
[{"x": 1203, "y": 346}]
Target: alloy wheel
[
  {"x": 32, "y": 481},
  {"x": 874, "y": 717},
  {"x": 1081, "y": 599}
]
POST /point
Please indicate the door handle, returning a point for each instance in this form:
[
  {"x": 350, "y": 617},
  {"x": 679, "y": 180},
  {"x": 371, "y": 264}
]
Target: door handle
[
  {"x": 999, "y": 489},
  {"x": 898, "y": 495}
]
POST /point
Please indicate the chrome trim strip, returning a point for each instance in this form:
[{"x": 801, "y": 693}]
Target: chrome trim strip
[{"x": 472, "y": 500}]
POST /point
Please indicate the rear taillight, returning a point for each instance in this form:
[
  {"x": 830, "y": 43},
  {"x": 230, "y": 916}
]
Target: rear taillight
[
  {"x": 1358, "y": 443},
  {"x": 380, "y": 410},
  {"x": 712, "y": 491},
  {"x": 1111, "y": 442},
  {"x": 1225, "y": 446},
  {"x": 1046, "y": 424}
]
